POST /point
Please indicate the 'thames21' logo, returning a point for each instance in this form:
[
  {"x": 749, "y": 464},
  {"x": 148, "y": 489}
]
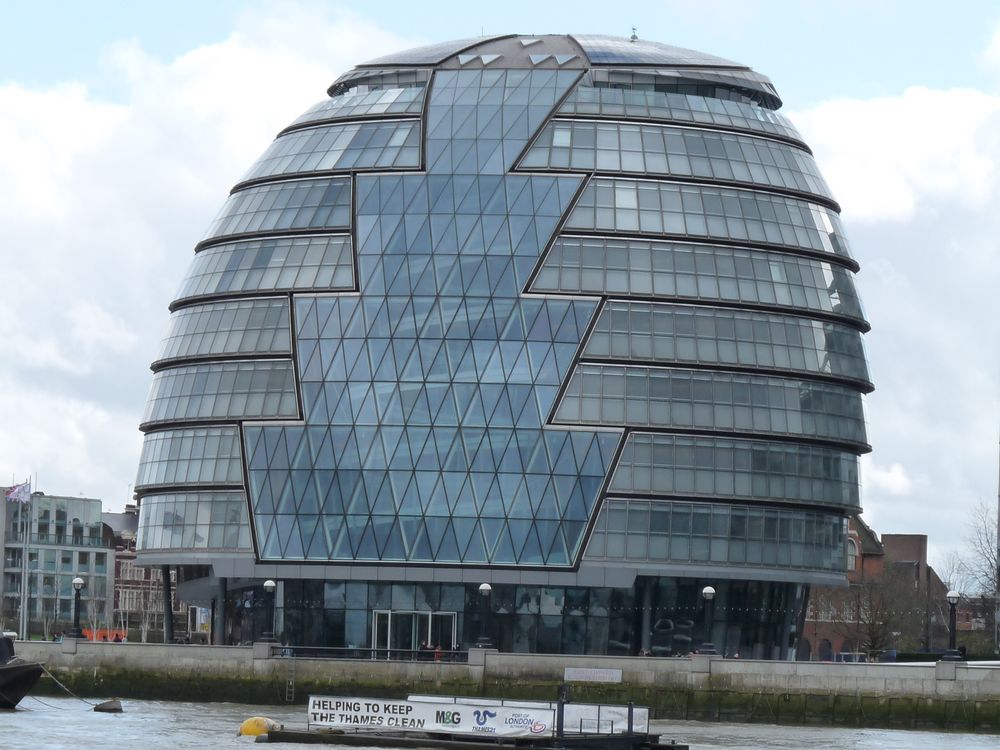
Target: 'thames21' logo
[{"x": 483, "y": 716}]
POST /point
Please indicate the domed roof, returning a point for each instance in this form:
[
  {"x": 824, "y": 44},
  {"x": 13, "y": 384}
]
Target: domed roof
[
  {"x": 600, "y": 49},
  {"x": 430, "y": 54},
  {"x": 616, "y": 50}
]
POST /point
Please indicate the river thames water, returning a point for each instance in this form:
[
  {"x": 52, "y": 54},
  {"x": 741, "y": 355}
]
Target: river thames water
[{"x": 69, "y": 724}]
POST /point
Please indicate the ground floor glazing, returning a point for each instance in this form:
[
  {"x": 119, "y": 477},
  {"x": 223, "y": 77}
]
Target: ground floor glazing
[{"x": 661, "y": 616}]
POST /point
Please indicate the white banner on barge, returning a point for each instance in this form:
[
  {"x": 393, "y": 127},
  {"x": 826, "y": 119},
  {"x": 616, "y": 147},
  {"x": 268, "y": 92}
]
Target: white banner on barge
[
  {"x": 424, "y": 716},
  {"x": 578, "y": 718}
]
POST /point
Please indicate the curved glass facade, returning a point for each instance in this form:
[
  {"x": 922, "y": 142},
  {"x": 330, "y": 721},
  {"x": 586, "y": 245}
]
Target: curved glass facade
[
  {"x": 272, "y": 265},
  {"x": 379, "y": 144},
  {"x": 636, "y": 104},
  {"x": 710, "y": 213},
  {"x": 704, "y": 273},
  {"x": 303, "y": 204},
  {"x": 250, "y": 389},
  {"x": 714, "y": 337},
  {"x": 194, "y": 456},
  {"x": 220, "y": 329},
  {"x": 194, "y": 521},
  {"x": 381, "y": 102},
  {"x": 727, "y": 402},
  {"x": 714, "y": 467},
  {"x": 574, "y": 316},
  {"x": 608, "y": 147},
  {"x": 692, "y": 533}
]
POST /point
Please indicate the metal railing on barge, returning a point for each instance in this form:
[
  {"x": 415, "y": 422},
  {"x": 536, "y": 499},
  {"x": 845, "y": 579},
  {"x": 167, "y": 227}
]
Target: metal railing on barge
[{"x": 369, "y": 654}]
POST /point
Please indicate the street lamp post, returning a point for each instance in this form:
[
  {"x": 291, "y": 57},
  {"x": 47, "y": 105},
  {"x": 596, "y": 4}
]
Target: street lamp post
[
  {"x": 708, "y": 594},
  {"x": 78, "y": 584},
  {"x": 484, "y": 613},
  {"x": 952, "y": 653},
  {"x": 268, "y": 635}
]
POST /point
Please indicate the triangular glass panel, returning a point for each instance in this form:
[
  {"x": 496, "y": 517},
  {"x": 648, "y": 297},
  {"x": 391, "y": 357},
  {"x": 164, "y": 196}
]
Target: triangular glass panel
[
  {"x": 476, "y": 549},
  {"x": 421, "y": 547},
  {"x": 312, "y": 538},
  {"x": 531, "y": 553},
  {"x": 394, "y": 549},
  {"x": 449, "y": 549},
  {"x": 503, "y": 552},
  {"x": 367, "y": 549}
]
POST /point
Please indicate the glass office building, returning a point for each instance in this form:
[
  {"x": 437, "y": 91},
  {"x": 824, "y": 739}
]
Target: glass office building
[{"x": 573, "y": 316}]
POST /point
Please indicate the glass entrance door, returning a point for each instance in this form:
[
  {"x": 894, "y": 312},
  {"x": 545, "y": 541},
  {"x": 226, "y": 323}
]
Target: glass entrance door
[
  {"x": 399, "y": 634},
  {"x": 380, "y": 634},
  {"x": 443, "y": 631}
]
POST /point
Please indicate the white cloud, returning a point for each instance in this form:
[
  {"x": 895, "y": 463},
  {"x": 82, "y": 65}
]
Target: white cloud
[
  {"x": 74, "y": 446},
  {"x": 916, "y": 176},
  {"x": 892, "y": 479},
  {"x": 888, "y": 157},
  {"x": 103, "y": 203}
]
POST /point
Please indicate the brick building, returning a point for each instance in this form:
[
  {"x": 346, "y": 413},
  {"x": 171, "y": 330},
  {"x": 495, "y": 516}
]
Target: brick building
[
  {"x": 138, "y": 591},
  {"x": 894, "y": 600}
]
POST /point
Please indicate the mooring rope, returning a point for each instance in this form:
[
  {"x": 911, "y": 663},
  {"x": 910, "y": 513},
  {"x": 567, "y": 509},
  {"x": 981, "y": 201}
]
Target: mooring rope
[
  {"x": 56, "y": 680},
  {"x": 50, "y": 705}
]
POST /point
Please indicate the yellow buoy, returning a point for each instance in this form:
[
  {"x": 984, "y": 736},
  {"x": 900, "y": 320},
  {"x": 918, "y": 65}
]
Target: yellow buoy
[{"x": 257, "y": 725}]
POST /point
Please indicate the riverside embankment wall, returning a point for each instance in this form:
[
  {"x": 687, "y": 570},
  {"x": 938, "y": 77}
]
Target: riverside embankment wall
[{"x": 942, "y": 695}]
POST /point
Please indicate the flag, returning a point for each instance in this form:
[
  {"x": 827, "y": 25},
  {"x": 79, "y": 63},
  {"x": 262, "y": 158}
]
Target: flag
[{"x": 19, "y": 493}]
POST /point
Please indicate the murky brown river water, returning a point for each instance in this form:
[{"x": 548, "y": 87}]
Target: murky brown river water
[{"x": 68, "y": 724}]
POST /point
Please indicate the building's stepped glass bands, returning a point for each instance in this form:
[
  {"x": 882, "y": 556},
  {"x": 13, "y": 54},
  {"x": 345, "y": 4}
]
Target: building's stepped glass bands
[{"x": 574, "y": 316}]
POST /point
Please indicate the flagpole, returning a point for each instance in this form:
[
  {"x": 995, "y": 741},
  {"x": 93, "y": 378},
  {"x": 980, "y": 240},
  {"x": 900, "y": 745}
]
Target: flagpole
[{"x": 26, "y": 525}]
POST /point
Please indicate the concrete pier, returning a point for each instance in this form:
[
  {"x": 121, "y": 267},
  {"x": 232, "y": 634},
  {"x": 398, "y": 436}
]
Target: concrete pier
[{"x": 952, "y": 695}]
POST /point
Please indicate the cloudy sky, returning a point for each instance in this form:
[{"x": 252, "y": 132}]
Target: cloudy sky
[{"x": 123, "y": 126}]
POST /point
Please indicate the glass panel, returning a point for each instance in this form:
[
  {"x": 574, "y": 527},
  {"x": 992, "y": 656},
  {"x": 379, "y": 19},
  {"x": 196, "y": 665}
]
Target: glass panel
[
  {"x": 253, "y": 326},
  {"x": 647, "y": 207},
  {"x": 686, "y": 108},
  {"x": 640, "y": 331},
  {"x": 284, "y": 264},
  {"x": 361, "y": 80},
  {"x": 203, "y": 455},
  {"x": 296, "y": 204},
  {"x": 223, "y": 390},
  {"x": 379, "y": 144},
  {"x": 194, "y": 520},
  {"x": 675, "y": 152},
  {"x": 716, "y": 529},
  {"x": 712, "y": 401},
  {"x": 620, "y": 267},
  {"x": 776, "y": 472},
  {"x": 734, "y": 83},
  {"x": 385, "y": 101}
]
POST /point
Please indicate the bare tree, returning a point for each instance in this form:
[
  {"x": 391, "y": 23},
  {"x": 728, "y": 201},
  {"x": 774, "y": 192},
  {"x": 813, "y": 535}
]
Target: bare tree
[
  {"x": 48, "y": 618},
  {"x": 96, "y": 615},
  {"x": 879, "y": 613},
  {"x": 146, "y": 603},
  {"x": 868, "y": 619},
  {"x": 954, "y": 572},
  {"x": 981, "y": 561},
  {"x": 979, "y": 577}
]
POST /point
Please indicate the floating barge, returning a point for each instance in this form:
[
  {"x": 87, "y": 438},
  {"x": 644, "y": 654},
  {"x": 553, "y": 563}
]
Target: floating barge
[
  {"x": 448, "y": 742},
  {"x": 462, "y": 723}
]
